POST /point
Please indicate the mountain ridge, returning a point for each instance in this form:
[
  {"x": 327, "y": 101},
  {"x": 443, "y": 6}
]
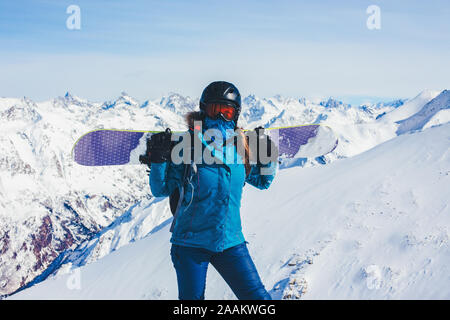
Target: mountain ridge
[{"x": 52, "y": 205}]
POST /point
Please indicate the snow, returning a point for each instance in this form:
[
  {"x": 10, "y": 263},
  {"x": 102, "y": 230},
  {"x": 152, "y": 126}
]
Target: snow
[
  {"x": 426, "y": 113},
  {"x": 411, "y": 107},
  {"x": 57, "y": 216},
  {"x": 441, "y": 117},
  {"x": 324, "y": 141},
  {"x": 372, "y": 226}
]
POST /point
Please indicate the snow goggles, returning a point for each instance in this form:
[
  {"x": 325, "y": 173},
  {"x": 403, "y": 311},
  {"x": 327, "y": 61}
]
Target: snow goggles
[{"x": 213, "y": 110}]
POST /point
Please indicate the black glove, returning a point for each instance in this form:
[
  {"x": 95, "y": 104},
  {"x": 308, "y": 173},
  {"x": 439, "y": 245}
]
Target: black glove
[
  {"x": 159, "y": 148},
  {"x": 269, "y": 149}
]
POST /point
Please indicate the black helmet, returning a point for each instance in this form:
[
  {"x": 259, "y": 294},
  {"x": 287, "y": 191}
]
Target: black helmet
[{"x": 221, "y": 91}]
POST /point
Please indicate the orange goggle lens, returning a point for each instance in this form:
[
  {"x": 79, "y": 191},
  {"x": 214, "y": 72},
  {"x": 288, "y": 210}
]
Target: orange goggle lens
[{"x": 213, "y": 110}]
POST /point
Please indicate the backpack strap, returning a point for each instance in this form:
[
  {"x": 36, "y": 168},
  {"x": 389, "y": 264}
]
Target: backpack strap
[{"x": 176, "y": 198}]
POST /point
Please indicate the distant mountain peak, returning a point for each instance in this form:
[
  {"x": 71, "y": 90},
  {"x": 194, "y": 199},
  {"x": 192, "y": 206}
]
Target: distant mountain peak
[
  {"x": 331, "y": 103},
  {"x": 428, "y": 93},
  {"x": 178, "y": 103}
]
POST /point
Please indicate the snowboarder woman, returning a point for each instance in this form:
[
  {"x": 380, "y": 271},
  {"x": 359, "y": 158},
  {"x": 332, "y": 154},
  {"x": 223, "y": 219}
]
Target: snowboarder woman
[{"x": 207, "y": 226}]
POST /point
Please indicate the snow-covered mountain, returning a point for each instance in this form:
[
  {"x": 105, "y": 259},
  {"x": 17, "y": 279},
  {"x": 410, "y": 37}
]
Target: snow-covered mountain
[
  {"x": 411, "y": 107},
  {"x": 56, "y": 215},
  {"x": 374, "y": 226},
  {"x": 432, "y": 110}
]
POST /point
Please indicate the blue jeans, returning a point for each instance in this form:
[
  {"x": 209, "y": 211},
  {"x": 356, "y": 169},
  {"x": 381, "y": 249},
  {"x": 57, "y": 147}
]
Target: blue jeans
[{"x": 234, "y": 265}]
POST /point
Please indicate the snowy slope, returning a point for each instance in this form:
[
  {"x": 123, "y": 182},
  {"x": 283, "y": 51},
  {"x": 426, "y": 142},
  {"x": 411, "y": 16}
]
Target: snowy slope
[
  {"x": 441, "y": 117},
  {"x": 411, "y": 107},
  {"x": 376, "y": 225},
  {"x": 426, "y": 113}
]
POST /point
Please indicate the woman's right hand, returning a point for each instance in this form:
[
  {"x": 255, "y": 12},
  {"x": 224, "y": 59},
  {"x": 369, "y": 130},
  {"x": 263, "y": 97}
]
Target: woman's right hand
[{"x": 160, "y": 146}]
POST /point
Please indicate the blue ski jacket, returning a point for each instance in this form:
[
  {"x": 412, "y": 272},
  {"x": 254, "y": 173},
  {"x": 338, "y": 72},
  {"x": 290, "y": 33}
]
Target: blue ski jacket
[{"x": 209, "y": 216}]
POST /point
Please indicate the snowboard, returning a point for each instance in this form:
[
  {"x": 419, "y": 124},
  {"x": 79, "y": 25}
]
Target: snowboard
[{"x": 107, "y": 147}]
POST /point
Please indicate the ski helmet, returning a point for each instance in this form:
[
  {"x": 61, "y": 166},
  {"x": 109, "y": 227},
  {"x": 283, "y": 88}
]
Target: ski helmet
[{"x": 221, "y": 92}]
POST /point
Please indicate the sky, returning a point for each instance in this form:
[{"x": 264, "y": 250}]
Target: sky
[{"x": 294, "y": 48}]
